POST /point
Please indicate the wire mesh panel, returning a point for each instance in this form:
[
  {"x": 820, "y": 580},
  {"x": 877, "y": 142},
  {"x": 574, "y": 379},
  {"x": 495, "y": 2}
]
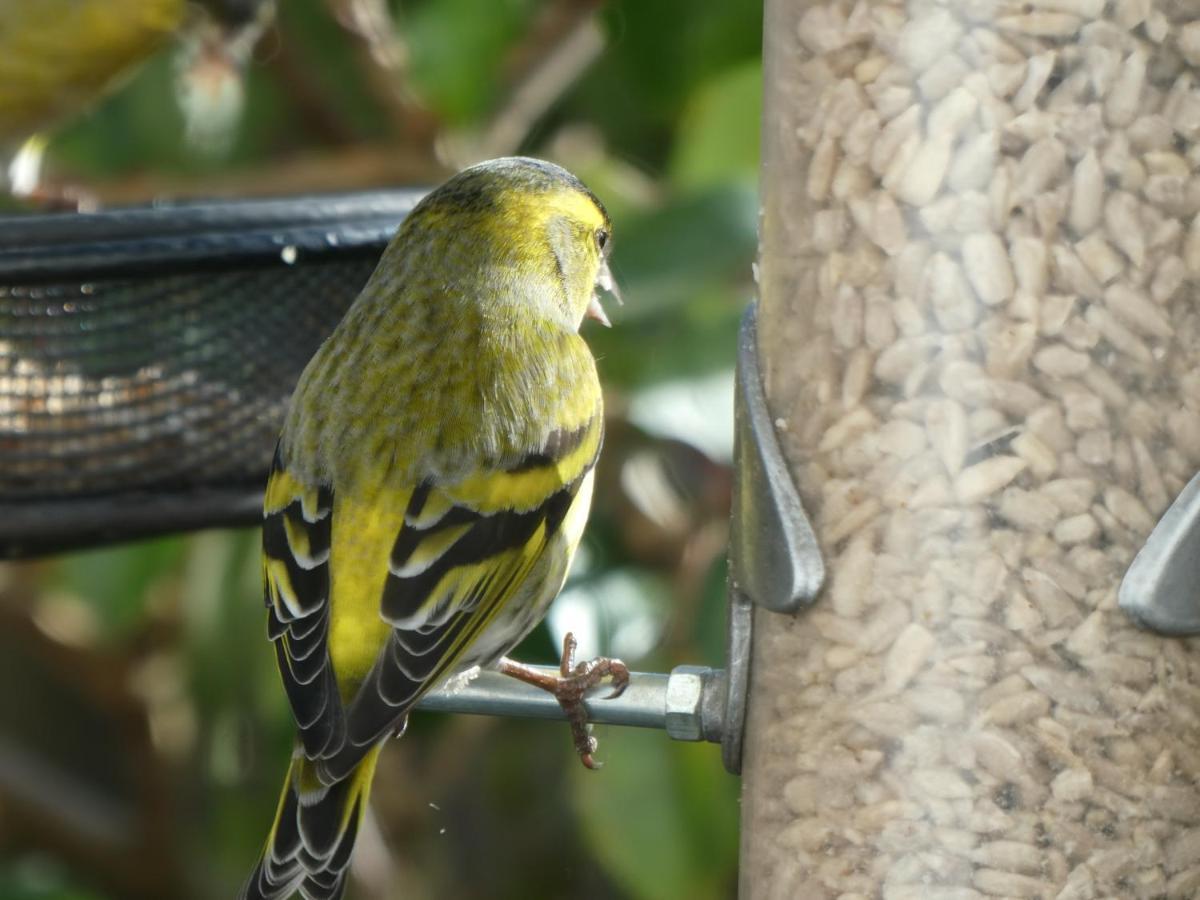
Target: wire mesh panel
[{"x": 146, "y": 357}]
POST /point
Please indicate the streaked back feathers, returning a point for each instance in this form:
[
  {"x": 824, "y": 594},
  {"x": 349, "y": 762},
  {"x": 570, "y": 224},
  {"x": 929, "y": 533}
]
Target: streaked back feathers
[{"x": 465, "y": 339}]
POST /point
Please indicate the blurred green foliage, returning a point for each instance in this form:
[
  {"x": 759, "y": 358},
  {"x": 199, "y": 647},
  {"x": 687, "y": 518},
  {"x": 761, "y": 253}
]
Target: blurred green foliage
[
  {"x": 664, "y": 125},
  {"x": 458, "y": 46},
  {"x": 118, "y": 582}
]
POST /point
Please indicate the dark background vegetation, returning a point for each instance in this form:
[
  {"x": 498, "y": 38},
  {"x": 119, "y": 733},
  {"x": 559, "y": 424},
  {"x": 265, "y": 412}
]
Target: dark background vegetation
[{"x": 143, "y": 733}]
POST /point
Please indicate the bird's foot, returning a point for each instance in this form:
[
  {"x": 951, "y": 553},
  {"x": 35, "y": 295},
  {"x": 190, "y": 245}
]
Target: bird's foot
[{"x": 570, "y": 686}]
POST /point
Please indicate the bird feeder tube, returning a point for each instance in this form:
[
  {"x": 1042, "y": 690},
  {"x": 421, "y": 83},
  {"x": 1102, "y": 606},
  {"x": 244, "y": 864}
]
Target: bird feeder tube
[{"x": 979, "y": 276}]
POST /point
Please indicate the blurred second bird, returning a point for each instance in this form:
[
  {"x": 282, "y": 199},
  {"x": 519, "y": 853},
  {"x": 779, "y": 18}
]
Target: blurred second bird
[{"x": 60, "y": 57}]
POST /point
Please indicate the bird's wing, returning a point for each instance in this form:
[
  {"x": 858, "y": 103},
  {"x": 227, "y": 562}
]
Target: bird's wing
[
  {"x": 297, "y": 537},
  {"x": 464, "y": 551}
]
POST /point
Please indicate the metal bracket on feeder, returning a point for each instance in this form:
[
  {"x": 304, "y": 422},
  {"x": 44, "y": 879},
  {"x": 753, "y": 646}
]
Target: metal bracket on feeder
[
  {"x": 774, "y": 559},
  {"x": 775, "y": 563},
  {"x": 1161, "y": 589}
]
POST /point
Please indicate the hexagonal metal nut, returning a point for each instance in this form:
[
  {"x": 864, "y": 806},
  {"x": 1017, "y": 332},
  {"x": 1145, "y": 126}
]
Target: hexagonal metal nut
[{"x": 685, "y": 696}]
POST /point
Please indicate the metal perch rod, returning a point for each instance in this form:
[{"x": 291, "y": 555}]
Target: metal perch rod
[{"x": 687, "y": 704}]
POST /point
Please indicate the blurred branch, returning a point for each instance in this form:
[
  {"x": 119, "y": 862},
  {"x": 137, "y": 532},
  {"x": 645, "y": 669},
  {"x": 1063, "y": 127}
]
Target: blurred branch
[
  {"x": 62, "y": 794},
  {"x": 705, "y": 545},
  {"x": 372, "y": 866},
  {"x": 384, "y": 59},
  {"x": 319, "y": 111},
  {"x": 560, "y": 47}
]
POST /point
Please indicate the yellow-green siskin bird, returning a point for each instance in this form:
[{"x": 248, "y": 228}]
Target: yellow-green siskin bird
[
  {"x": 430, "y": 485},
  {"x": 58, "y": 57}
]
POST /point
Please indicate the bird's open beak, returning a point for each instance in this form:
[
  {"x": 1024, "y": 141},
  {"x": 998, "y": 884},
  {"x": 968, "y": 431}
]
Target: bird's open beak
[
  {"x": 596, "y": 311},
  {"x": 604, "y": 282}
]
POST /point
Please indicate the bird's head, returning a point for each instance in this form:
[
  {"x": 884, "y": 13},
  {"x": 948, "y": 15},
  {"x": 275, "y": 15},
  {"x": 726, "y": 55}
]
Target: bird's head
[{"x": 542, "y": 236}]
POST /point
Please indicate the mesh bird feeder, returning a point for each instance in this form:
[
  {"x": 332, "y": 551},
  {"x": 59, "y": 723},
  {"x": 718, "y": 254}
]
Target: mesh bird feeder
[{"x": 147, "y": 355}]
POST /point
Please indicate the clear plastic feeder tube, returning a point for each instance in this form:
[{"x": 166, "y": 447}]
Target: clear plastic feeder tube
[{"x": 980, "y": 331}]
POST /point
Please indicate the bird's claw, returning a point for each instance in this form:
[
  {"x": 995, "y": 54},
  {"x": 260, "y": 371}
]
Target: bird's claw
[{"x": 570, "y": 686}]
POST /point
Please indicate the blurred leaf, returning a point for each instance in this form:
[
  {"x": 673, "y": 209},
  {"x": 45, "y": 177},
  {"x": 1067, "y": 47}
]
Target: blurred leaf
[
  {"x": 711, "y": 628},
  {"x": 666, "y": 256},
  {"x": 658, "y": 52},
  {"x": 681, "y": 270},
  {"x": 662, "y": 817},
  {"x": 672, "y": 45},
  {"x": 224, "y": 616},
  {"x": 330, "y": 67},
  {"x": 619, "y": 612},
  {"x": 139, "y": 125},
  {"x": 236, "y": 688},
  {"x": 458, "y": 50},
  {"x": 708, "y": 798},
  {"x": 696, "y": 338},
  {"x": 720, "y": 133},
  {"x": 697, "y": 411},
  {"x": 40, "y": 878},
  {"x": 115, "y": 581}
]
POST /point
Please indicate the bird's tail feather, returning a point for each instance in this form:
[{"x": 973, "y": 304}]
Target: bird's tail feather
[{"x": 308, "y": 848}]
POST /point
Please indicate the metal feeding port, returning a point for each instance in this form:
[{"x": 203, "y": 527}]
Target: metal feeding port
[
  {"x": 146, "y": 360},
  {"x": 1160, "y": 589}
]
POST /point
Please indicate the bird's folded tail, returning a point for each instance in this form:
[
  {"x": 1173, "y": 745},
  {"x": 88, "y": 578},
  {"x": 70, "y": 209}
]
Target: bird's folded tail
[{"x": 309, "y": 845}]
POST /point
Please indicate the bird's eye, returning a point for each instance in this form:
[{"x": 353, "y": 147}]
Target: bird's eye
[{"x": 602, "y": 238}]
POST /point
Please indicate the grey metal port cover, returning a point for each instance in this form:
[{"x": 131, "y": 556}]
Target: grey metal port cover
[
  {"x": 774, "y": 554},
  {"x": 1161, "y": 590}
]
